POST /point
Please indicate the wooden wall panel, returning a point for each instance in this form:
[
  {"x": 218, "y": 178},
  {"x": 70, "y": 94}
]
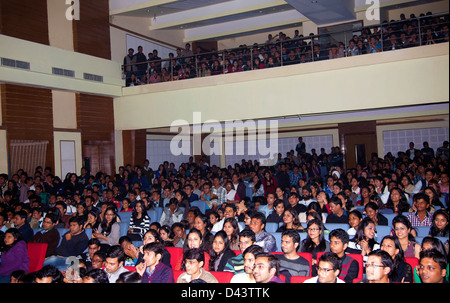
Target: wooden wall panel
[
  {"x": 95, "y": 119},
  {"x": 134, "y": 146},
  {"x": 25, "y": 19},
  {"x": 27, "y": 115},
  {"x": 91, "y": 34}
]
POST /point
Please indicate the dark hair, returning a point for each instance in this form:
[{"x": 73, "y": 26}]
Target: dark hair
[
  {"x": 50, "y": 271},
  {"x": 17, "y": 237},
  {"x": 403, "y": 204},
  {"x": 436, "y": 255},
  {"x": 333, "y": 258},
  {"x": 214, "y": 255},
  {"x": 274, "y": 262},
  {"x": 359, "y": 236},
  {"x": 386, "y": 259},
  {"x": 399, "y": 257},
  {"x": 106, "y": 228},
  {"x": 247, "y": 233},
  {"x": 235, "y": 235},
  {"x": 157, "y": 248},
  {"x": 194, "y": 253},
  {"x": 340, "y": 234},
  {"x": 436, "y": 243},
  {"x": 116, "y": 251},
  {"x": 308, "y": 245},
  {"x": 98, "y": 275},
  {"x": 405, "y": 221},
  {"x": 434, "y": 230},
  {"x": 253, "y": 249},
  {"x": 260, "y": 216},
  {"x": 292, "y": 234},
  {"x": 129, "y": 277}
]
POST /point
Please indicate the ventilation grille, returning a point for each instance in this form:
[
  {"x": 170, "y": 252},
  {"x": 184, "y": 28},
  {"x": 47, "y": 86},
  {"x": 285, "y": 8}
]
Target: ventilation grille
[
  {"x": 63, "y": 72},
  {"x": 92, "y": 77},
  {"x": 15, "y": 63}
]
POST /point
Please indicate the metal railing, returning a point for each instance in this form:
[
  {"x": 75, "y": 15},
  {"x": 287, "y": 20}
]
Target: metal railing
[{"x": 387, "y": 36}]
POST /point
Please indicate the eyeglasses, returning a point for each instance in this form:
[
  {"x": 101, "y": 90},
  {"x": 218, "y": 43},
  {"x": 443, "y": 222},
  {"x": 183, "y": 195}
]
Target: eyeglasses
[
  {"x": 374, "y": 265},
  {"x": 326, "y": 270},
  {"x": 313, "y": 229}
]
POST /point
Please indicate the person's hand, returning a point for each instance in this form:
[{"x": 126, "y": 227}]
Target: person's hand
[
  {"x": 131, "y": 251},
  {"x": 68, "y": 236},
  {"x": 140, "y": 268}
]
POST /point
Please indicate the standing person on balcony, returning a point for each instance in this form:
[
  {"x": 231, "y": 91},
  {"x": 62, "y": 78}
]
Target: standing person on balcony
[
  {"x": 129, "y": 63},
  {"x": 141, "y": 63}
]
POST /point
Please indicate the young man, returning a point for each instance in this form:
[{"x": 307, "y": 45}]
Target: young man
[
  {"x": 421, "y": 217},
  {"x": 219, "y": 191},
  {"x": 339, "y": 239},
  {"x": 152, "y": 270},
  {"x": 179, "y": 234},
  {"x": 195, "y": 259},
  {"x": 266, "y": 269},
  {"x": 230, "y": 211},
  {"x": 294, "y": 203},
  {"x": 49, "y": 234},
  {"x": 20, "y": 222},
  {"x": 93, "y": 247},
  {"x": 338, "y": 213},
  {"x": 291, "y": 264},
  {"x": 263, "y": 239},
  {"x": 115, "y": 258},
  {"x": 328, "y": 269},
  {"x": 49, "y": 274},
  {"x": 249, "y": 257},
  {"x": 73, "y": 243},
  {"x": 378, "y": 267},
  {"x": 236, "y": 264},
  {"x": 432, "y": 267},
  {"x": 268, "y": 208}
]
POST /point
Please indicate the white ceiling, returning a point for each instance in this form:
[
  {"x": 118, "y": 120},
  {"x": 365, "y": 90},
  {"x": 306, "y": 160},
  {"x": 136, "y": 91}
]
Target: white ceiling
[{"x": 219, "y": 19}]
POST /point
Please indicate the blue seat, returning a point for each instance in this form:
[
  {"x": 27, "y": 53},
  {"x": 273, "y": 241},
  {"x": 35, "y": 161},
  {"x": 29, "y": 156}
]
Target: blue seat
[
  {"x": 442, "y": 199},
  {"x": 200, "y": 204},
  {"x": 271, "y": 227},
  {"x": 277, "y": 240},
  {"x": 382, "y": 231},
  {"x": 249, "y": 191},
  {"x": 125, "y": 216},
  {"x": 422, "y": 231},
  {"x": 62, "y": 231},
  {"x": 124, "y": 228},
  {"x": 333, "y": 226},
  {"x": 242, "y": 224},
  {"x": 443, "y": 239},
  {"x": 390, "y": 217},
  {"x": 153, "y": 215},
  {"x": 88, "y": 232}
]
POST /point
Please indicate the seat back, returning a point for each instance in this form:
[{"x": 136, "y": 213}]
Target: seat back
[
  {"x": 125, "y": 216},
  {"x": 36, "y": 254},
  {"x": 176, "y": 274},
  {"x": 200, "y": 204},
  {"x": 222, "y": 276},
  {"x": 422, "y": 231},
  {"x": 271, "y": 227},
  {"x": 299, "y": 279},
  {"x": 176, "y": 253}
]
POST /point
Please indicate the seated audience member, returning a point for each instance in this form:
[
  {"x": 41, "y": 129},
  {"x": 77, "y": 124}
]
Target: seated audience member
[
  {"x": 152, "y": 270},
  {"x": 108, "y": 232},
  {"x": 290, "y": 221},
  {"x": 401, "y": 271},
  {"x": 421, "y": 217},
  {"x": 338, "y": 213},
  {"x": 291, "y": 264},
  {"x": 129, "y": 277},
  {"x": 294, "y": 203},
  {"x": 263, "y": 239},
  {"x": 236, "y": 264},
  {"x": 115, "y": 258},
  {"x": 230, "y": 211},
  {"x": 93, "y": 247},
  {"x": 315, "y": 242},
  {"x": 440, "y": 224},
  {"x": 249, "y": 256},
  {"x": 49, "y": 234},
  {"x": 195, "y": 259},
  {"x": 49, "y": 274},
  {"x": 354, "y": 218},
  {"x": 266, "y": 269},
  {"x": 171, "y": 213},
  {"x": 378, "y": 267},
  {"x": 372, "y": 212},
  {"x": 179, "y": 233},
  {"x": 432, "y": 267},
  {"x": 20, "y": 222},
  {"x": 430, "y": 243},
  {"x": 277, "y": 214},
  {"x": 14, "y": 256},
  {"x": 73, "y": 243},
  {"x": 339, "y": 240},
  {"x": 328, "y": 269},
  {"x": 220, "y": 252},
  {"x": 403, "y": 230},
  {"x": 139, "y": 222},
  {"x": 364, "y": 241},
  {"x": 97, "y": 275}
]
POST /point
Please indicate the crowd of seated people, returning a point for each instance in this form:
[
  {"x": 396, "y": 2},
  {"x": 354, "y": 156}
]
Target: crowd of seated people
[
  {"x": 386, "y": 222},
  {"x": 281, "y": 50}
]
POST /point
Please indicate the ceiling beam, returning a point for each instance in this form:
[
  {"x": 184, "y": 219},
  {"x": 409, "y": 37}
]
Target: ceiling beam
[{"x": 117, "y": 7}]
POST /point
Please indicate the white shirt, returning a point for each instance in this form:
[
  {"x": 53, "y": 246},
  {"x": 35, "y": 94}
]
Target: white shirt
[
  {"x": 242, "y": 278},
  {"x": 314, "y": 280}
]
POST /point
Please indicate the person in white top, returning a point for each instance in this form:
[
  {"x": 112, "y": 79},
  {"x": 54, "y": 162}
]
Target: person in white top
[
  {"x": 328, "y": 269},
  {"x": 249, "y": 262}
]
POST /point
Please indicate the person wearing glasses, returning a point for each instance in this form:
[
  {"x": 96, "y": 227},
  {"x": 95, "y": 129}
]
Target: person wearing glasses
[
  {"x": 328, "y": 269},
  {"x": 315, "y": 242},
  {"x": 378, "y": 267}
]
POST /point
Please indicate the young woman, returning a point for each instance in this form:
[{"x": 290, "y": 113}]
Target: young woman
[
  {"x": 231, "y": 228},
  {"x": 403, "y": 230},
  {"x": 439, "y": 226},
  {"x": 354, "y": 218},
  {"x": 13, "y": 254},
  {"x": 364, "y": 241},
  {"x": 269, "y": 182},
  {"x": 397, "y": 201},
  {"x": 108, "y": 232},
  {"x": 165, "y": 233},
  {"x": 257, "y": 187},
  {"x": 434, "y": 198},
  {"x": 93, "y": 220},
  {"x": 126, "y": 205},
  {"x": 365, "y": 196},
  {"x": 193, "y": 240},
  {"x": 220, "y": 252},
  {"x": 139, "y": 222},
  {"x": 315, "y": 242},
  {"x": 290, "y": 221},
  {"x": 372, "y": 212},
  {"x": 201, "y": 223},
  {"x": 323, "y": 198},
  {"x": 402, "y": 271}
]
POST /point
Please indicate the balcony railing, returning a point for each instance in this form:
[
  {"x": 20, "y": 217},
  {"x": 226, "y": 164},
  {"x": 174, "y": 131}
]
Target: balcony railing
[{"x": 389, "y": 36}]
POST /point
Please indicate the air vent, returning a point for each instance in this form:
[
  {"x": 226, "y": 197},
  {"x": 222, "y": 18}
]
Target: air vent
[
  {"x": 63, "y": 72},
  {"x": 92, "y": 77},
  {"x": 15, "y": 63}
]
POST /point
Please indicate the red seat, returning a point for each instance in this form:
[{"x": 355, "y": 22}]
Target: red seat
[
  {"x": 299, "y": 279},
  {"x": 237, "y": 252},
  {"x": 36, "y": 254},
  {"x": 176, "y": 274},
  {"x": 130, "y": 268},
  {"x": 358, "y": 258},
  {"x": 414, "y": 262},
  {"x": 176, "y": 258},
  {"x": 222, "y": 276}
]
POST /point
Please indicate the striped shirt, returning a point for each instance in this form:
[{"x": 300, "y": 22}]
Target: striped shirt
[
  {"x": 415, "y": 220},
  {"x": 161, "y": 274}
]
